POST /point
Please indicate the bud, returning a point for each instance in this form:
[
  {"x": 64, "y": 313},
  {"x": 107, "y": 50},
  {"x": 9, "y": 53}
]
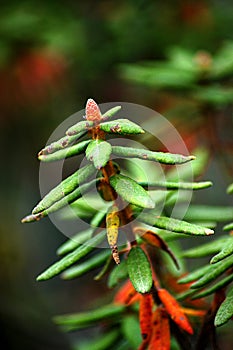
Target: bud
[{"x": 92, "y": 111}]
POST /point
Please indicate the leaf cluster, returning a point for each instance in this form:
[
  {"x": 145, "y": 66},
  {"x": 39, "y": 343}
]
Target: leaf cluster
[
  {"x": 148, "y": 263},
  {"x": 204, "y": 77}
]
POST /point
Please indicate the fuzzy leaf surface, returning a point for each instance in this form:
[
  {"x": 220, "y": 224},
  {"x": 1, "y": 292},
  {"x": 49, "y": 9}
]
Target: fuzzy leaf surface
[
  {"x": 206, "y": 249},
  {"x": 70, "y": 198},
  {"x": 178, "y": 185},
  {"x": 98, "y": 152},
  {"x": 205, "y": 212},
  {"x": 219, "y": 285},
  {"x": 83, "y": 125},
  {"x": 161, "y": 157},
  {"x": 196, "y": 274},
  {"x": 65, "y": 153},
  {"x": 224, "y": 253},
  {"x": 215, "y": 271},
  {"x": 121, "y": 127},
  {"x": 111, "y": 112},
  {"x": 130, "y": 191},
  {"x": 139, "y": 270},
  {"x": 174, "y": 225},
  {"x": 225, "y": 312},
  {"x": 65, "y": 187},
  {"x": 60, "y": 144}
]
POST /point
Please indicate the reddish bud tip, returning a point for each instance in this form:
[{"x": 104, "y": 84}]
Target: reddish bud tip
[{"x": 92, "y": 110}]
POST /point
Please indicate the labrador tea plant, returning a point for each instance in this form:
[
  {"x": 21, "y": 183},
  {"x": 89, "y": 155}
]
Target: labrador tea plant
[{"x": 157, "y": 305}]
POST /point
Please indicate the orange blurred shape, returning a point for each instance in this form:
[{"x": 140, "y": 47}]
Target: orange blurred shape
[
  {"x": 126, "y": 294},
  {"x": 176, "y": 287},
  {"x": 31, "y": 78},
  {"x": 193, "y": 312},
  {"x": 174, "y": 310},
  {"x": 160, "y": 338},
  {"x": 145, "y": 316}
]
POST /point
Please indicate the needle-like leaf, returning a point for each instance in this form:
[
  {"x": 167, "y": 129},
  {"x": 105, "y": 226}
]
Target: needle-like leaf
[
  {"x": 65, "y": 153},
  {"x": 65, "y": 187},
  {"x": 174, "y": 225},
  {"x": 72, "y": 258},
  {"x": 161, "y": 157},
  {"x": 225, "y": 312}
]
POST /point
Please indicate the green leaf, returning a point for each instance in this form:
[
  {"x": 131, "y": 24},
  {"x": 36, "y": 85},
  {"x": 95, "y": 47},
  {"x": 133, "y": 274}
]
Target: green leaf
[
  {"x": 139, "y": 270},
  {"x": 83, "y": 236},
  {"x": 83, "y": 125},
  {"x": 193, "y": 276},
  {"x": 65, "y": 153},
  {"x": 228, "y": 227},
  {"x": 158, "y": 75},
  {"x": 178, "y": 185},
  {"x": 98, "y": 218},
  {"x": 104, "y": 342},
  {"x": 174, "y": 225},
  {"x": 196, "y": 274},
  {"x": 98, "y": 152},
  {"x": 206, "y": 212},
  {"x": 73, "y": 257},
  {"x": 169, "y": 236},
  {"x": 186, "y": 294},
  {"x": 230, "y": 189},
  {"x": 225, "y": 311},
  {"x": 181, "y": 58},
  {"x": 104, "y": 269},
  {"x": 219, "y": 285},
  {"x": 65, "y": 187},
  {"x": 140, "y": 170},
  {"x": 111, "y": 112},
  {"x": 60, "y": 144},
  {"x": 224, "y": 253},
  {"x": 71, "y": 197},
  {"x": 86, "y": 266},
  {"x": 121, "y": 345},
  {"x": 214, "y": 94},
  {"x": 215, "y": 271},
  {"x": 161, "y": 157},
  {"x": 131, "y": 331},
  {"x": 122, "y": 127},
  {"x": 86, "y": 319},
  {"x": 75, "y": 241},
  {"x": 130, "y": 191},
  {"x": 119, "y": 273},
  {"x": 223, "y": 61},
  {"x": 206, "y": 249}
]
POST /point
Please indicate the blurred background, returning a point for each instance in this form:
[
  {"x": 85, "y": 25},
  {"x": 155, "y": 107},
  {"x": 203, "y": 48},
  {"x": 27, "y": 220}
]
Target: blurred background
[{"x": 175, "y": 57}]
